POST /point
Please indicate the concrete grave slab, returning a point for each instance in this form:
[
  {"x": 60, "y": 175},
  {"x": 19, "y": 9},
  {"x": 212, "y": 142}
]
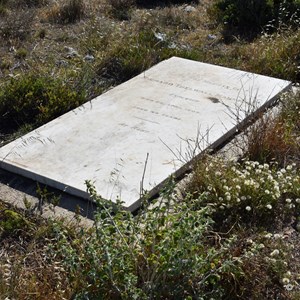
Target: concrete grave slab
[{"x": 141, "y": 131}]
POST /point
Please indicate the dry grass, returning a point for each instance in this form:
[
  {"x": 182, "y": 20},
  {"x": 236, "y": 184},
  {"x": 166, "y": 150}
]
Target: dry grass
[
  {"x": 275, "y": 136},
  {"x": 269, "y": 141},
  {"x": 27, "y": 269}
]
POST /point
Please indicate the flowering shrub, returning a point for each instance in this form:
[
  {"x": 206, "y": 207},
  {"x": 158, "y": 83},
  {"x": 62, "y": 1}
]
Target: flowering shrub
[{"x": 247, "y": 192}]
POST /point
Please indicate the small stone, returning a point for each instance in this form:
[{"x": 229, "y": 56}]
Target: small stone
[
  {"x": 211, "y": 36},
  {"x": 62, "y": 63},
  {"x": 160, "y": 36},
  {"x": 189, "y": 8},
  {"x": 71, "y": 52},
  {"x": 89, "y": 58}
]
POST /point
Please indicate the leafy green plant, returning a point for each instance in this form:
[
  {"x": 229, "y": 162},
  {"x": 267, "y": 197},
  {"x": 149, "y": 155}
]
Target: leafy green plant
[
  {"x": 164, "y": 252},
  {"x": 35, "y": 100},
  {"x": 11, "y": 222}
]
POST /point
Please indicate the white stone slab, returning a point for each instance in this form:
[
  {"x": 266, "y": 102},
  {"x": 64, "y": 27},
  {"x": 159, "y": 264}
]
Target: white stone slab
[{"x": 108, "y": 139}]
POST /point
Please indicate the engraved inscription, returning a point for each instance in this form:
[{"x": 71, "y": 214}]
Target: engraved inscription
[
  {"x": 157, "y": 113},
  {"x": 170, "y": 105},
  {"x": 197, "y": 90},
  {"x": 137, "y": 128}
]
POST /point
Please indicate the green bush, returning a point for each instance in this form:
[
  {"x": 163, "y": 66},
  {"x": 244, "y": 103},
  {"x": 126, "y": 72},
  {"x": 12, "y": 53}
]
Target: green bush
[
  {"x": 253, "y": 15},
  {"x": 11, "y": 222},
  {"x": 162, "y": 253},
  {"x": 35, "y": 100}
]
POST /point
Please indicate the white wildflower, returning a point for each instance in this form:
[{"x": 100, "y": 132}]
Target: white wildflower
[
  {"x": 248, "y": 208},
  {"x": 288, "y": 274},
  {"x": 268, "y": 235},
  {"x": 269, "y": 206},
  {"x": 289, "y": 287},
  {"x": 274, "y": 252},
  {"x": 285, "y": 280},
  {"x": 288, "y": 200}
]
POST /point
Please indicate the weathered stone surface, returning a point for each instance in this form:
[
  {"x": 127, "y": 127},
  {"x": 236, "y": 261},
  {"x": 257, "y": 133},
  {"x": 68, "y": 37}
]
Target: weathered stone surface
[{"x": 143, "y": 130}]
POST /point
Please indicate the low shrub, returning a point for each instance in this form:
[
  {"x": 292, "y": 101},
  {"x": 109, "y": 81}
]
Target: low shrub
[
  {"x": 11, "y": 222},
  {"x": 247, "y": 193},
  {"x": 250, "y": 17},
  {"x": 35, "y": 100},
  {"x": 162, "y": 253}
]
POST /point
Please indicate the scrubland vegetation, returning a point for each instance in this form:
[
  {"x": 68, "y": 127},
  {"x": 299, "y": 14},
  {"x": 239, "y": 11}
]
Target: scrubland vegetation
[{"x": 232, "y": 231}]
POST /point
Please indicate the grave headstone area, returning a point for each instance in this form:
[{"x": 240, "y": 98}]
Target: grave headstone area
[{"x": 131, "y": 138}]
